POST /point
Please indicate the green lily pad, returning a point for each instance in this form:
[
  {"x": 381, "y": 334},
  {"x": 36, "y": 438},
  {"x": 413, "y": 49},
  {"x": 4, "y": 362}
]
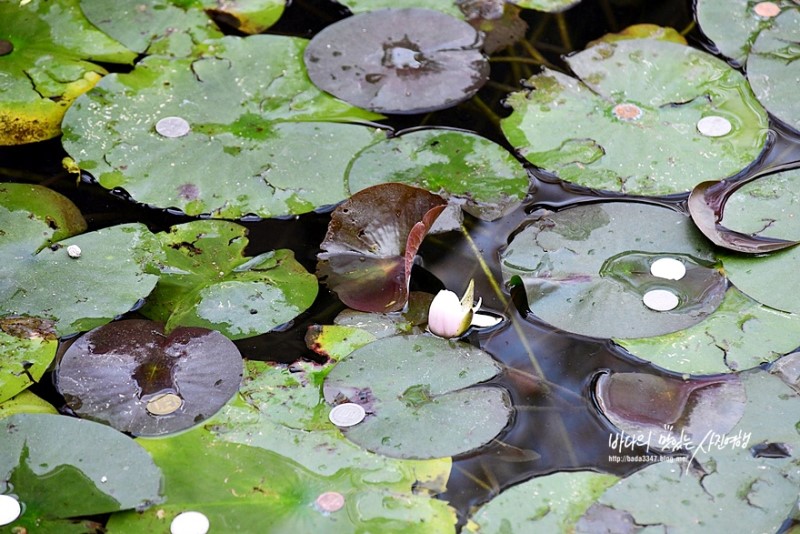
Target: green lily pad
[
  {"x": 253, "y": 144},
  {"x": 76, "y": 288},
  {"x": 642, "y": 31},
  {"x": 409, "y": 399},
  {"x": 46, "y": 47},
  {"x": 465, "y": 168},
  {"x": 734, "y": 25},
  {"x": 629, "y": 123},
  {"x": 773, "y": 68},
  {"x": 411, "y": 320},
  {"x": 734, "y": 486},
  {"x": 279, "y": 496},
  {"x": 587, "y": 269},
  {"x": 25, "y": 402},
  {"x": 336, "y": 341},
  {"x": 740, "y": 334},
  {"x": 361, "y": 6},
  {"x": 247, "y": 16},
  {"x": 72, "y": 479},
  {"x": 552, "y": 503},
  {"x": 207, "y": 281},
  {"x": 61, "y": 217},
  {"x": 769, "y": 279},
  {"x": 548, "y": 6},
  {"x": 27, "y": 346}
]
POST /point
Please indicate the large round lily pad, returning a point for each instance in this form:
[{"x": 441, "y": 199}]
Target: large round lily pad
[
  {"x": 207, "y": 281},
  {"x": 61, "y": 467},
  {"x": 629, "y": 122},
  {"x": 134, "y": 377},
  {"x": 44, "y": 48},
  {"x": 244, "y": 140},
  {"x": 588, "y": 269},
  {"x": 412, "y": 387},
  {"x": 398, "y": 60},
  {"x": 468, "y": 169}
]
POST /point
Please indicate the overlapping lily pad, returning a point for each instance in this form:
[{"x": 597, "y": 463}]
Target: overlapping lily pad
[
  {"x": 629, "y": 123},
  {"x": 45, "y": 53},
  {"x": 413, "y": 386},
  {"x": 134, "y": 377},
  {"x": 587, "y": 269},
  {"x": 251, "y": 143},
  {"x": 25, "y": 402},
  {"x": 549, "y": 6},
  {"x": 464, "y": 167},
  {"x": 361, "y": 6},
  {"x": 27, "y": 346},
  {"x": 60, "y": 217},
  {"x": 372, "y": 239},
  {"x": 207, "y": 281},
  {"x": 398, "y": 60},
  {"x": 51, "y": 464}
]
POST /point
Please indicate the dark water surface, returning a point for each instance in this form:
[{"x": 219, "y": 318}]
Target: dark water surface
[{"x": 556, "y": 424}]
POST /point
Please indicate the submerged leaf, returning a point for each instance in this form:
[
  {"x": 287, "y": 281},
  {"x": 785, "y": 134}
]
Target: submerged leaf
[
  {"x": 408, "y": 398},
  {"x": 207, "y": 281},
  {"x": 371, "y": 242},
  {"x": 134, "y": 377},
  {"x": 398, "y": 60}
]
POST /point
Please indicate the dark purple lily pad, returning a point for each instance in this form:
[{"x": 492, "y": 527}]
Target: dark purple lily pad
[
  {"x": 134, "y": 377},
  {"x": 371, "y": 242},
  {"x": 670, "y": 414},
  {"x": 398, "y": 60}
]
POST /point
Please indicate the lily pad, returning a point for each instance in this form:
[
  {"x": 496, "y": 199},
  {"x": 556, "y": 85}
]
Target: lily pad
[
  {"x": 732, "y": 487},
  {"x": 25, "y": 402},
  {"x": 57, "y": 212},
  {"x": 734, "y": 25},
  {"x": 408, "y": 399},
  {"x": 552, "y": 503},
  {"x": 76, "y": 288},
  {"x": 773, "y": 68},
  {"x": 640, "y": 97},
  {"x": 740, "y": 334},
  {"x": 465, "y": 168},
  {"x": 134, "y": 377},
  {"x": 548, "y": 6},
  {"x": 409, "y": 321},
  {"x": 361, "y": 6},
  {"x": 250, "y": 143},
  {"x": 280, "y": 496},
  {"x": 72, "y": 479},
  {"x": 207, "y": 281},
  {"x": 587, "y": 269},
  {"x": 248, "y": 16},
  {"x": 398, "y": 60},
  {"x": 27, "y": 346},
  {"x": 671, "y": 412},
  {"x": 369, "y": 250},
  {"x": 44, "y": 60}
]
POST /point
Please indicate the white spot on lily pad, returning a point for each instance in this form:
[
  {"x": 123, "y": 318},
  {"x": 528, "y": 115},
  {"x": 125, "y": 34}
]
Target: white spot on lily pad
[
  {"x": 74, "y": 251},
  {"x": 714, "y": 126},
  {"x": 10, "y": 509},
  {"x": 347, "y": 414},
  {"x": 189, "y": 523},
  {"x": 668, "y": 268},
  {"x": 660, "y": 300},
  {"x": 173, "y": 127},
  {"x": 330, "y": 501},
  {"x": 767, "y": 10}
]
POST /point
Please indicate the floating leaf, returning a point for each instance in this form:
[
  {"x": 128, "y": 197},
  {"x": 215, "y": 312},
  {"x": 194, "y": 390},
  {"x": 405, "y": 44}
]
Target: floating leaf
[
  {"x": 410, "y": 321},
  {"x": 106, "y": 278},
  {"x": 27, "y": 346},
  {"x": 369, "y": 250},
  {"x": 642, "y": 31},
  {"x": 466, "y": 168},
  {"x": 361, "y": 6},
  {"x": 246, "y": 140},
  {"x": 734, "y": 25},
  {"x": 207, "y": 281},
  {"x": 738, "y": 335},
  {"x": 549, "y": 6},
  {"x": 248, "y": 16},
  {"x": 588, "y": 269},
  {"x": 551, "y": 503},
  {"x": 409, "y": 399},
  {"x": 398, "y": 60},
  {"x": 57, "y": 212},
  {"x": 279, "y": 496},
  {"x": 643, "y": 97},
  {"x": 336, "y": 341},
  {"x": 670, "y": 412},
  {"x": 733, "y": 486},
  {"x": 61, "y": 467},
  {"x": 134, "y": 377},
  {"x": 43, "y": 51},
  {"x": 25, "y": 402}
]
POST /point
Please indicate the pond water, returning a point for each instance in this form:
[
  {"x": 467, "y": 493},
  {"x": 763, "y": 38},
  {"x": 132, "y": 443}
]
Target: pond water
[{"x": 551, "y": 374}]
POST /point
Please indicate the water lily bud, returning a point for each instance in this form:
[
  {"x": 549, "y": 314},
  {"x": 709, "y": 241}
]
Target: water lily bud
[{"x": 448, "y": 316}]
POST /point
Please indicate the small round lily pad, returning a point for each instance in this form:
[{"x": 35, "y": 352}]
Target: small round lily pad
[
  {"x": 134, "y": 377},
  {"x": 398, "y": 60},
  {"x": 412, "y": 387}
]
